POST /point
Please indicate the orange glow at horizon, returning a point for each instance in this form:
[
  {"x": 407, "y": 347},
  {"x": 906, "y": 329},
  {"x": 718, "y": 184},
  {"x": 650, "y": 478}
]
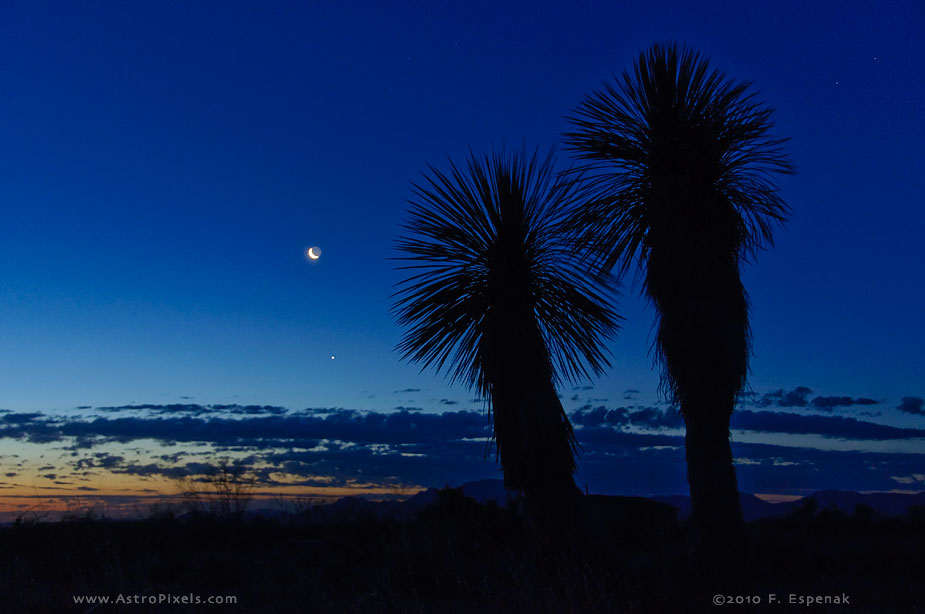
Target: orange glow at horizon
[{"x": 126, "y": 496}]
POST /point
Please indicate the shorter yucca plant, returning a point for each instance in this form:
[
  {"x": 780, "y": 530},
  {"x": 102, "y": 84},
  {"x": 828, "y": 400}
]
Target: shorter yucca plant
[{"x": 499, "y": 300}]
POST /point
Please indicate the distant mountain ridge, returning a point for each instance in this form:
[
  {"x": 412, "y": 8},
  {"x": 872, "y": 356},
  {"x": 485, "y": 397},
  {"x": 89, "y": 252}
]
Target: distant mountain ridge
[
  {"x": 493, "y": 491},
  {"x": 754, "y": 508},
  {"x": 351, "y": 508}
]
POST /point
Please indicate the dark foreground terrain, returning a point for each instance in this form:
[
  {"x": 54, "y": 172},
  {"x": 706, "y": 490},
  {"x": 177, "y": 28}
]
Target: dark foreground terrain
[{"x": 457, "y": 556}]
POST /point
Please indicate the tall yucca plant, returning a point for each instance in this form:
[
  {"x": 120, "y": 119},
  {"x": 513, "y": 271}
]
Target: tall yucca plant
[
  {"x": 497, "y": 298},
  {"x": 679, "y": 173}
]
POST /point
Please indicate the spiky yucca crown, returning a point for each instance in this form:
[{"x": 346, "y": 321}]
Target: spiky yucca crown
[{"x": 460, "y": 221}]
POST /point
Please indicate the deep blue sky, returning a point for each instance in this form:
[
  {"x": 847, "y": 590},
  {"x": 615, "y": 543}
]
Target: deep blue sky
[{"x": 164, "y": 165}]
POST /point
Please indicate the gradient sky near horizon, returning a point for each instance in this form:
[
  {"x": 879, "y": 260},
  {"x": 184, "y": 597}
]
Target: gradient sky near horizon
[{"x": 164, "y": 166}]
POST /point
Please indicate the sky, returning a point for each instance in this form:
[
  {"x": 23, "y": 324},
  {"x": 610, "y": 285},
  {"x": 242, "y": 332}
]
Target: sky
[{"x": 164, "y": 166}]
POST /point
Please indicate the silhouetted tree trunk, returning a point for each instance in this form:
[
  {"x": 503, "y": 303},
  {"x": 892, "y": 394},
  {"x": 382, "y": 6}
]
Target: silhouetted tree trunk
[
  {"x": 536, "y": 443},
  {"x": 703, "y": 334},
  {"x": 535, "y": 437},
  {"x": 716, "y": 511}
]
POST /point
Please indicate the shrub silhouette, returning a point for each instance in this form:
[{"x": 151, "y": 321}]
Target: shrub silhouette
[{"x": 225, "y": 492}]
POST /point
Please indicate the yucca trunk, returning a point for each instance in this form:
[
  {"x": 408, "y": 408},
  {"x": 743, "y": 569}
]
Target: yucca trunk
[
  {"x": 534, "y": 436},
  {"x": 706, "y": 364},
  {"x": 533, "y": 433},
  {"x": 711, "y": 476},
  {"x": 693, "y": 278}
]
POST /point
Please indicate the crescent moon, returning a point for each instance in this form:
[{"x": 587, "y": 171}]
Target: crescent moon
[{"x": 312, "y": 253}]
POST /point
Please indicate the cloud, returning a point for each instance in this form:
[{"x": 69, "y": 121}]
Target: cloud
[
  {"x": 588, "y": 416},
  {"x": 912, "y": 405},
  {"x": 645, "y": 417},
  {"x": 172, "y": 473},
  {"x": 799, "y": 397},
  {"x": 299, "y": 428},
  {"x": 21, "y": 418},
  {"x": 408, "y": 390},
  {"x": 799, "y": 470},
  {"x": 103, "y": 460},
  {"x": 196, "y": 409},
  {"x": 792, "y": 398},
  {"x": 623, "y": 463},
  {"x": 250, "y": 410},
  {"x": 173, "y": 408},
  {"x": 827, "y": 426},
  {"x": 830, "y": 403},
  {"x": 448, "y": 402},
  {"x": 653, "y": 418},
  {"x": 632, "y": 449}
]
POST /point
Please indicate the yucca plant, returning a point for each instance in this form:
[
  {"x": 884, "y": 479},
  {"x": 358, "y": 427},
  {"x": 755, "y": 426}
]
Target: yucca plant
[
  {"x": 498, "y": 299},
  {"x": 678, "y": 169}
]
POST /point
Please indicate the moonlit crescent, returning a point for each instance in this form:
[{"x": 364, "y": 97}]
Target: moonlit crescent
[{"x": 314, "y": 253}]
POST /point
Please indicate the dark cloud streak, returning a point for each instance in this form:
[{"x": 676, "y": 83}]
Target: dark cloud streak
[
  {"x": 912, "y": 405},
  {"x": 630, "y": 449},
  {"x": 830, "y": 403}
]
